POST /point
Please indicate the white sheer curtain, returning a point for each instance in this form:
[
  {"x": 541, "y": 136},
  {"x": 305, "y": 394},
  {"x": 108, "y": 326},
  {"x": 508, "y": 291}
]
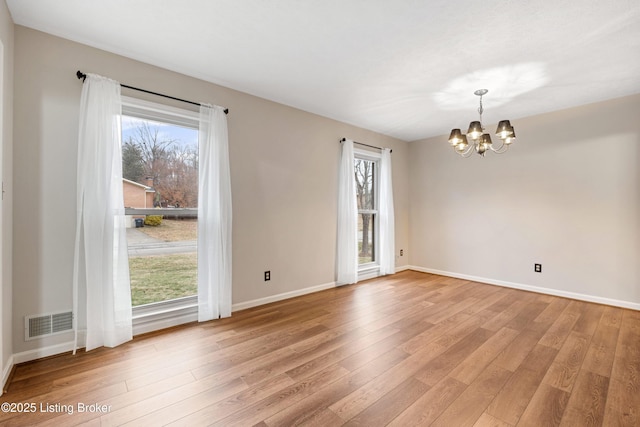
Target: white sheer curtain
[
  {"x": 214, "y": 216},
  {"x": 347, "y": 250},
  {"x": 387, "y": 221},
  {"x": 101, "y": 288}
]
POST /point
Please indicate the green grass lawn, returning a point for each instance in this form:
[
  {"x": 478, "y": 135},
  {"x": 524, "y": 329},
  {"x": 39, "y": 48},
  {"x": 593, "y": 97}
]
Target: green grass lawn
[
  {"x": 173, "y": 230},
  {"x": 162, "y": 277}
]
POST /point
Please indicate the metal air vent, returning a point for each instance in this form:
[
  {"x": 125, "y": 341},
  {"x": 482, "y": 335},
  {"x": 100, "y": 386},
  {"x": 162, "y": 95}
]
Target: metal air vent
[{"x": 42, "y": 325}]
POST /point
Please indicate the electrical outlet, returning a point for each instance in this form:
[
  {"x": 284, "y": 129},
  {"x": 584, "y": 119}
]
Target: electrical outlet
[
  {"x": 401, "y": 252},
  {"x": 267, "y": 276},
  {"x": 537, "y": 268}
]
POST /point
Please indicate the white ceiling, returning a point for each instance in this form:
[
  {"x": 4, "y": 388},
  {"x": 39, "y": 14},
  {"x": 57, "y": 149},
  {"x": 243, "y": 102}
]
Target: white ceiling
[{"x": 405, "y": 68}]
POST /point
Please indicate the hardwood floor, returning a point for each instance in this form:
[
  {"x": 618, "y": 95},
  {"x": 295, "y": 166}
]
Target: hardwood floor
[{"x": 409, "y": 349}]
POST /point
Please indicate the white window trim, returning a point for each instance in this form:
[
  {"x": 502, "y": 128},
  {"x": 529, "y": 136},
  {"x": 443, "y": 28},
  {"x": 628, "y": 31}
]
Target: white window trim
[
  {"x": 371, "y": 269},
  {"x": 163, "y": 314},
  {"x": 153, "y": 111}
]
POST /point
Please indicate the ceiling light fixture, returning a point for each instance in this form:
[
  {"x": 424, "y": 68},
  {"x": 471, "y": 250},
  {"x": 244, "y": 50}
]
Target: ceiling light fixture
[{"x": 481, "y": 141}]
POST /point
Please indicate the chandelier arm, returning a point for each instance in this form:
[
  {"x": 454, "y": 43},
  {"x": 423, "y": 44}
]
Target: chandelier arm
[
  {"x": 506, "y": 147},
  {"x": 460, "y": 153},
  {"x": 468, "y": 152},
  {"x": 499, "y": 150},
  {"x": 495, "y": 150}
]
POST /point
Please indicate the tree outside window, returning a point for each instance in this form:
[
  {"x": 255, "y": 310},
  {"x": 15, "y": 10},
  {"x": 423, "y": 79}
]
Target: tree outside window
[
  {"x": 365, "y": 176},
  {"x": 161, "y": 159}
]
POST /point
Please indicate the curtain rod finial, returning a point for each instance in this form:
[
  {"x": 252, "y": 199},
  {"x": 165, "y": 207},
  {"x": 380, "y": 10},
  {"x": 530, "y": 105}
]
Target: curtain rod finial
[{"x": 81, "y": 75}]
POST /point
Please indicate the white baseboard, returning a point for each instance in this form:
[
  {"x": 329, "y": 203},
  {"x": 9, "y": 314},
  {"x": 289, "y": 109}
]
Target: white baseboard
[
  {"x": 6, "y": 371},
  {"x": 52, "y": 350},
  {"x": 279, "y": 297},
  {"x": 41, "y": 352},
  {"x": 530, "y": 288}
]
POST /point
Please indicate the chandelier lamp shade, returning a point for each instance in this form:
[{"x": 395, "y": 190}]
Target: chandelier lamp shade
[{"x": 477, "y": 140}]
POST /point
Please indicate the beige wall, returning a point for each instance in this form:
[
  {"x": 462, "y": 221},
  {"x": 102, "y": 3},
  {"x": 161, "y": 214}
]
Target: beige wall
[
  {"x": 567, "y": 195},
  {"x": 284, "y": 165},
  {"x": 6, "y": 107}
]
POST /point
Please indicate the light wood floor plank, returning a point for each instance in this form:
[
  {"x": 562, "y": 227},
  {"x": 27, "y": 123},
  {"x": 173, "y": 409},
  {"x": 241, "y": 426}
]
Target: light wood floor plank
[
  {"x": 586, "y": 404},
  {"x": 560, "y": 329},
  {"x": 487, "y": 420},
  {"x": 564, "y": 370},
  {"x": 589, "y": 319},
  {"x": 431, "y": 404},
  {"x": 281, "y": 399},
  {"x": 518, "y": 349},
  {"x": 223, "y": 403},
  {"x": 390, "y": 405},
  {"x": 314, "y": 407},
  {"x": 130, "y": 411},
  {"x": 419, "y": 341},
  {"x": 503, "y": 317},
  {"x": 527, "y": 315},
  {"x": 546, "y": 407},
  {"x": 469, "y": 406},
  {"x": 601, "y": 352},
  {"x": 511, "y": 401},
  {"x": 469, "y": 369},
  {"x": 434, "y": 370},
  {"x": 622, "y": 406},
  {"x": 550, "y": 314},
  {"x": 129, "y": 398}
]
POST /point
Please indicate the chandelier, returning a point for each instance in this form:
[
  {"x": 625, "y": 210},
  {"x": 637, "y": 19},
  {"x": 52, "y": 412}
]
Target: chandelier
[{"x": 481, "y": 141}]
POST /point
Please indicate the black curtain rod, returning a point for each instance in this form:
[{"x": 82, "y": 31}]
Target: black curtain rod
[
  {"x": 83, "y": 76},
  {"x": 366, "y": 145}
]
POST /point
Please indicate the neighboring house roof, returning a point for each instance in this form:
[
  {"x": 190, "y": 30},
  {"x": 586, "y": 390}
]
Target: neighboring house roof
[{"x": 146, "y": 187}]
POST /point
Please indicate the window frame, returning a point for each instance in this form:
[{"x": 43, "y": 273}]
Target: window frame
[
  {"x": 163, "y": 314},
  {"x": 371, "y": 269}
]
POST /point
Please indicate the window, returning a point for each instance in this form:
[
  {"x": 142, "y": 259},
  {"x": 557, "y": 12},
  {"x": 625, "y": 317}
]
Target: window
[
  {"x": 160, "y": 188},
  {"x": 366, "y": 168},
  {"x": 365, "y": 240}
]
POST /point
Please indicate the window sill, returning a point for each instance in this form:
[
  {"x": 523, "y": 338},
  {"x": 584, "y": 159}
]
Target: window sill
[
  {"x": 368, "y": 271},
  {"x": 165, "y": 314}
]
